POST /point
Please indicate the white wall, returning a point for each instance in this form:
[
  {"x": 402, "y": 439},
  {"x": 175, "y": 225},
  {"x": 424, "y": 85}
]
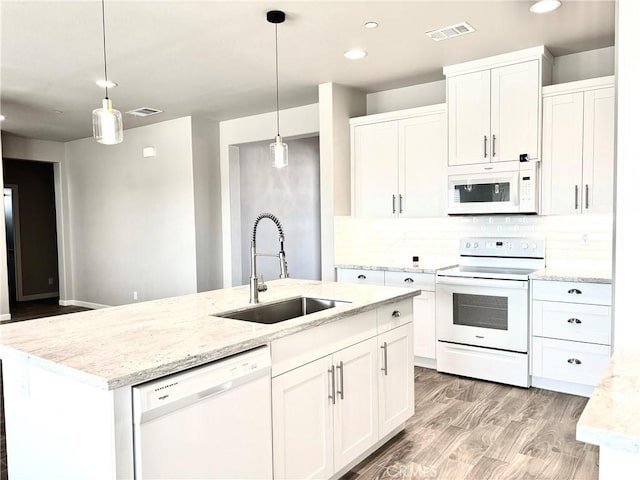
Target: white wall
[
  {"x": 566, "y": 68},
  {"x": 627, "y": 206},
  {"x": 297, "y": 121},
  {"x": 206, "y": 185},
  {"x": 21, "y": 148},
  {"x": 131, "y": 219},
  {"x": 338, "y": 103}
]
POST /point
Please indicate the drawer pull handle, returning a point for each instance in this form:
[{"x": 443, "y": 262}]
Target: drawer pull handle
[
  {"x": 574, "y": 361},
  {"x": 576, "y": 321},
  {"x": 362, "y": 277},
  {"x": 408, "y": 280},
  {"x": 574, "y": 291},
  {"x": 396, "y": 314}
]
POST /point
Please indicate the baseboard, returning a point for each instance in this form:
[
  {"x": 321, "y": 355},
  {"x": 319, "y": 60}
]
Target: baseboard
[
  {"x": 80, "y": 303},
  {"x": 562, "y": 387},
  {"x": 5, "y": 316},
  {"x": 425, "y": 362},
  {"x": 38, "y": 296}
]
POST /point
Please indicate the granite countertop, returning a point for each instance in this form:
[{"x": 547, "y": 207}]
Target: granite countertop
[
  {"x": 426, "y": 266},
  {"x": 119, "y": 346},
  {"x": 611, "y": 418},
  {"x": 579, "y": 274}
]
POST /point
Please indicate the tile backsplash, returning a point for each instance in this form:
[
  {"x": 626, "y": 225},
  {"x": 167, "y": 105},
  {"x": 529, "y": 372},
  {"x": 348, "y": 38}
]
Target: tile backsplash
[{"x": 572, "y": 241}]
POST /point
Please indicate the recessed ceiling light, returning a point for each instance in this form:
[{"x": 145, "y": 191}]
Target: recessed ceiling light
[
  {"x": 371, "y": 25},
  {"x": 108, "y": 84},
  {"x": 355, "y": 54},
  {"x": 58, "y": 112},
  {"x": 545, "y": 6},
  {"x": 2, "y": 117}
]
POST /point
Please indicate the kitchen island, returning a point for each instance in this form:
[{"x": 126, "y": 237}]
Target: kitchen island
[{"x": 68, "y": 379}]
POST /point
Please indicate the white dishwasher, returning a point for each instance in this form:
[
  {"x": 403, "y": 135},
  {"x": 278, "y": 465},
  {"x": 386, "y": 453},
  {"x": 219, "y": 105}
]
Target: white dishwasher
[{"x": 208, "y": 422}]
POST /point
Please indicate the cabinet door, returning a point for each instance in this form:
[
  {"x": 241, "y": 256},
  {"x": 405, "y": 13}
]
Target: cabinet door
[
  {"x": 423, "y": 165},
  {"x": 396, "y": 393},
  {"x": 515, "y": 104},
  {"x": 469, "y": 112},
  {"x": 599, "y": 121},
  {"x": 356, "y": 409},
  {"x": 424, "y": 325},
  {"x": 562, "y": 154},
  {"x": 375, "y": 167},
  {"x": 303, "y": 422}
]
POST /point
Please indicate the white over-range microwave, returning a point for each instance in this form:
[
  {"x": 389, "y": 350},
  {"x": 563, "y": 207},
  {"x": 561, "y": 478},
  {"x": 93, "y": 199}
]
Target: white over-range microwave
[{"x": 501, "y": 187}]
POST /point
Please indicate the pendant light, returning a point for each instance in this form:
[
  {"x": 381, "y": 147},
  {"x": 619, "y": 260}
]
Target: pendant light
[
  {"x": 279, "y": 149},
  {"x": 107, "y": 122}
]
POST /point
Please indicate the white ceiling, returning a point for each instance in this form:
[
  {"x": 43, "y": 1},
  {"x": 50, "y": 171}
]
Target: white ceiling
[{"x": 216, "y": 58}]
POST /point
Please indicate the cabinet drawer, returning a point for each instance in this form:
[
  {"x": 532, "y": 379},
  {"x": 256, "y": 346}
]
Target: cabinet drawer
[
  {"x": 395, "y": 314},
  {"x": 569, "y": 361},
  {"x": 575, "y": 292},
  {"x": 361, "y": 276},
  {"x": 423, "y": 281},
  {"x": 571, "y": 321}
]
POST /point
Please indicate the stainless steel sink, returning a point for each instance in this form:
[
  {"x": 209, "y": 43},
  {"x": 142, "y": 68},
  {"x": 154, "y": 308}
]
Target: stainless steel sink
[{"x": 281, "y": 311}]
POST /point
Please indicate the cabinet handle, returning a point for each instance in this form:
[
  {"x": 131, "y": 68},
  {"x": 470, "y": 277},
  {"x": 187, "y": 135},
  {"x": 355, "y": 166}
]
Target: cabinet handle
[
  {"x": 393, "y": 203},
  {"x": 493, "y": 146},
  {"x": 384, "y": 358},
  {"x": 574, "y": 291},
  {"x": 332, "y": 378},
  {"x": 576, "y": 321},
  {"x": 400, "y": 199},
  {"x": 576, "y": 197},
  {"x": 574, "y": 361},
  {"x": 396, "y": 314},
  {"x": 340, "y": 369},
  {"x": 408, "y": 280},
  {"x": 361, "y": 277},
  {"x": 586, "y": 196},
  {"x": 485, "y": 146}
]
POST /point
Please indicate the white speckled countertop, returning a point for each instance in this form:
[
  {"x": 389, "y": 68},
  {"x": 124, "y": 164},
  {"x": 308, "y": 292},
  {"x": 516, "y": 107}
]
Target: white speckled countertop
[
  {"x": 611, "y": 418},
  {"x": 579, "y": 274},
  {"x": 425, "y": 266},
  {"x": 130, "y": 344}
]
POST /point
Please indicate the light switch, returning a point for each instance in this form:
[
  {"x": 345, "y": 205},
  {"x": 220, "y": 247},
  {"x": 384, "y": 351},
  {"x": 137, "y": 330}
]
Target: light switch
[{"x": 149, "y": 152}]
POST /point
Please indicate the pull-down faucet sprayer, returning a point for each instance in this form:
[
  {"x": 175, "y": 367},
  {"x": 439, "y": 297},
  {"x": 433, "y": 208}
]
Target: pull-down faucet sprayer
[{"x": 255, "y": 286}]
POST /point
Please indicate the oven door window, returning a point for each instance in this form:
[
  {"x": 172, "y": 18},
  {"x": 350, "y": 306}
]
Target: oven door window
[
  {"x": 490, "y": 192},
  {"x": 482, "y": 311}
]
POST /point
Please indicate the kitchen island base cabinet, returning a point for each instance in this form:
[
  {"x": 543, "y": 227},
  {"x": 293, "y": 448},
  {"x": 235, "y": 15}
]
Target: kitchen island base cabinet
[{"x": 325, "y": 413}]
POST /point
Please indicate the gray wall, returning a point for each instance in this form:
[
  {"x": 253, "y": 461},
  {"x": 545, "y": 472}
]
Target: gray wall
[{"x": 293, "y": 195}]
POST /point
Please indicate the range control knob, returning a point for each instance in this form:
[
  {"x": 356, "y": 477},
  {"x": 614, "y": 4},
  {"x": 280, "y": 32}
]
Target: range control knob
[
  {"x": 467, "y": 245},
  {"x": 534, "y": 246},
  {"x": 475, "y": 244},
  {"x": 525, "y": 245}
]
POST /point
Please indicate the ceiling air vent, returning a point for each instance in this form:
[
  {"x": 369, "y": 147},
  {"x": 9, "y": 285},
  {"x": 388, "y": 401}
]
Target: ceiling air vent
[
  {"x": 450, "y": 32},
  {"x": 144, "y": 111}
]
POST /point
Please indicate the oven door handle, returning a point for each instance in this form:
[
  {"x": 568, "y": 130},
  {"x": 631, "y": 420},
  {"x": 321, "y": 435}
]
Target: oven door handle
[{"x": 482, "y": 282}]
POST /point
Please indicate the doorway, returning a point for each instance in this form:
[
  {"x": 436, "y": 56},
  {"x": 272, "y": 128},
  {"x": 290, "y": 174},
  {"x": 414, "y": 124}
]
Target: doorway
[{"x": 11, "y": 224}]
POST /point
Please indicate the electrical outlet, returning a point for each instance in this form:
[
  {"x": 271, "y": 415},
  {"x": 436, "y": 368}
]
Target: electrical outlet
[
  {"x": 50, "y": 280},
  {"x": 135, "y": 295}
]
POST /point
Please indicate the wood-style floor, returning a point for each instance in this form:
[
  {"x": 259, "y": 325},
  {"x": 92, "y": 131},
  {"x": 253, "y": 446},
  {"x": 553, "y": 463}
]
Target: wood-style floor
[
  {"x": 21, "y": 311},
  {"x": 475, "y": 430}
]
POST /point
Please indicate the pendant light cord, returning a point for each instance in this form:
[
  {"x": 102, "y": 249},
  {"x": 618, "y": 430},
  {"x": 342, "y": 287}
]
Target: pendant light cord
[
  {"x": 277, "y": 86},
  {"x": 104, "y": 53}
]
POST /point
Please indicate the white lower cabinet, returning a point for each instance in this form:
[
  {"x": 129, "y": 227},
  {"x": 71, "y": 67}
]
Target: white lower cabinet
[
  {"x": 571, "y": 342},
  {"x": 325, "y": 412},
  {"x": 396, "y": 392},
  {"x": 331, "y": 411}
]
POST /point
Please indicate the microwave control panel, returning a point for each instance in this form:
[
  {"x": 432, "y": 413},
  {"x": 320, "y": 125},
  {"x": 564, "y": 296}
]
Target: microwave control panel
[{"x": 528, "y": 181}]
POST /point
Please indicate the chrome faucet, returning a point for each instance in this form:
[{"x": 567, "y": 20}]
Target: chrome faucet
[{"x": 256, "y": 286}]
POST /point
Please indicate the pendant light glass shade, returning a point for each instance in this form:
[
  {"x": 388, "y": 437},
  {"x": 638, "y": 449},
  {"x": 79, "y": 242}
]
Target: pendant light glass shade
[
  {"x": 107, "y": 124},
  {"x": 279, "y": 153}
]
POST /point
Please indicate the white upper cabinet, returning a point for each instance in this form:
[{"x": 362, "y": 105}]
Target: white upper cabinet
[
  {"x": 398, "y": 163},
  {"x": 494, "y": 107},
  {"x": 578, "y": 147}
]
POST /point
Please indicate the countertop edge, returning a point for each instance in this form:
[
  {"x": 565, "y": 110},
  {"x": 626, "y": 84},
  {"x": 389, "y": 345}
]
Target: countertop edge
[
  {"x": 607, "y": 438},
  {"x": 380, "y": 268},
  {"x": 578, "y": 278}
]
